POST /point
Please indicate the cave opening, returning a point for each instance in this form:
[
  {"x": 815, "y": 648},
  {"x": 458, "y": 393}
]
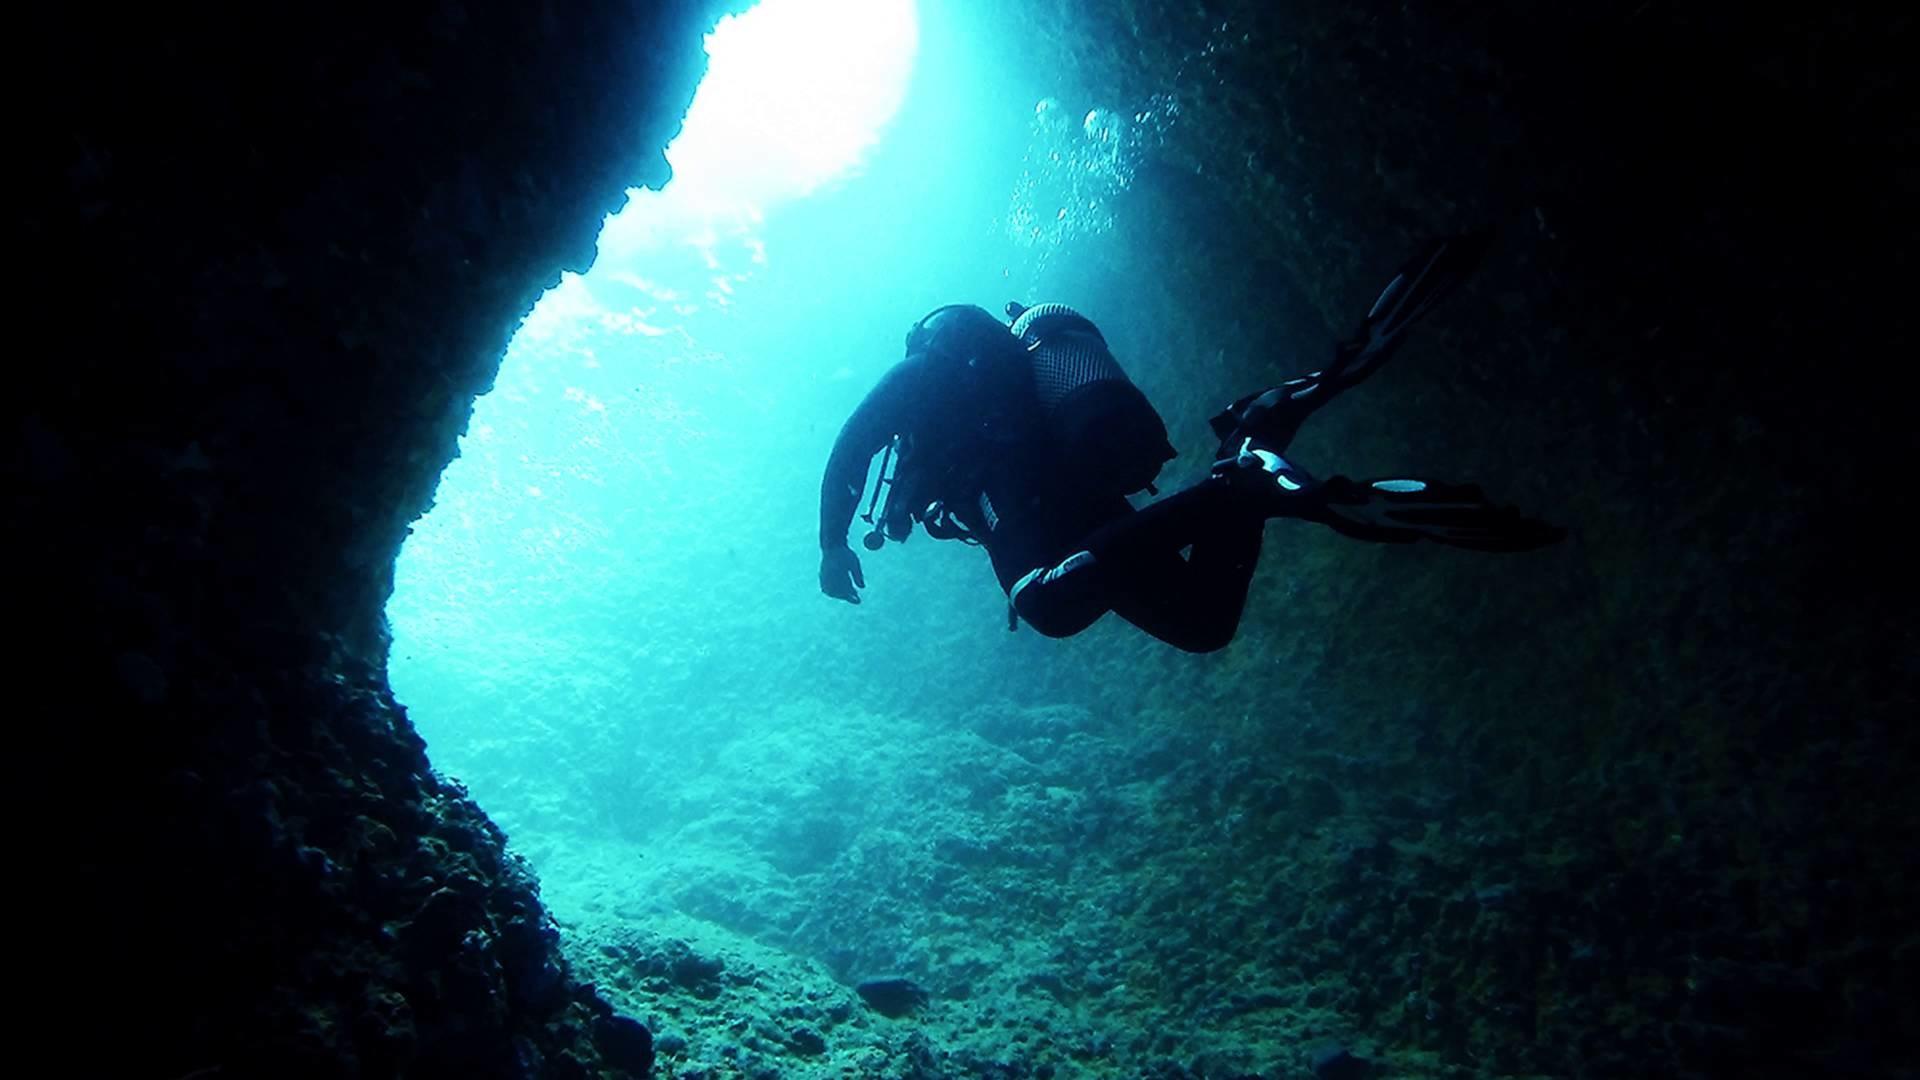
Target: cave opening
[{"x": 608, "y": 626}]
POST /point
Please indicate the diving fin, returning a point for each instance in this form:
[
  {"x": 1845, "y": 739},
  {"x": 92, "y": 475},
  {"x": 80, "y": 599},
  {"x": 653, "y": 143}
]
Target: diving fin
[
  {"x": 1426, "y": 279},
  {"x": 1273, "y": 416},
  {"x": 1390, "y": 511},
  {"x": 1404, "y": 510}
]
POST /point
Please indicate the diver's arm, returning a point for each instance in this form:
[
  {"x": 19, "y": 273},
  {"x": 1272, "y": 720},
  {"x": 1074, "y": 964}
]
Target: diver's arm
[{"x": 882, "y": 414}]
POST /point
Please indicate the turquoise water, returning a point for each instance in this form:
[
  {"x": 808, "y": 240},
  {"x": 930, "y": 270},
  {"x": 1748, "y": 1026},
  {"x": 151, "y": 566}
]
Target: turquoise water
[{"x": 742, "y": 797}]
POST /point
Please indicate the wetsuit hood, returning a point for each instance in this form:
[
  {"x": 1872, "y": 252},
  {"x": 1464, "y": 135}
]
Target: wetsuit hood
[{"x": 964, "y": 332}]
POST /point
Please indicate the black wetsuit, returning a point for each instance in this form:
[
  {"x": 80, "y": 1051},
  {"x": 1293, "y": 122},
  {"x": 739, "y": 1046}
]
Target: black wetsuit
[{"x": 999, "y": 453}]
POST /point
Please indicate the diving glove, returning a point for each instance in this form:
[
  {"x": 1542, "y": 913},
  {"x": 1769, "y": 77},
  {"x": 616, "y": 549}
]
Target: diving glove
[{"x": 840, "y": 574}]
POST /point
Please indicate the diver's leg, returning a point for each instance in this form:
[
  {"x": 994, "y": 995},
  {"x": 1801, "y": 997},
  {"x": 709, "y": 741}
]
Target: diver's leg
[
  {"x": 1194, "y": 603},
  {"x": 1038, "y": 559},
  {"x": 1132, "y": 565}
]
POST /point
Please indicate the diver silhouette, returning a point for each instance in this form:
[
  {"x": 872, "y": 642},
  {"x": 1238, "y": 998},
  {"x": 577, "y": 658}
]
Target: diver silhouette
[{"x": 1027, "y": 439}]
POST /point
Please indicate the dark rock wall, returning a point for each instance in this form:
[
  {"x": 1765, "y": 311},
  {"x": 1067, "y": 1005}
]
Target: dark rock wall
[
  {"x": 1679, "y": 749},
  {"x": 271, "y": 256}
]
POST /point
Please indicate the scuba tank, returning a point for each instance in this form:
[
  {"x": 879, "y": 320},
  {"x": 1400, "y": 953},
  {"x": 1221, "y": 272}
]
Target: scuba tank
[{"x": 1108, "y": 437}]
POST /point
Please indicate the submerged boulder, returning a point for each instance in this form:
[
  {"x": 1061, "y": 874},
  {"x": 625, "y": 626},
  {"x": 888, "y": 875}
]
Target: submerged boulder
[{"x": 892, "y": 995}]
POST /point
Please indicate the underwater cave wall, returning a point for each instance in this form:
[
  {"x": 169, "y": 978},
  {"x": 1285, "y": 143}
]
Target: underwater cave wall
[
  {"x": 1663, "y": 771},
  {"x": 270, "y": 256}
]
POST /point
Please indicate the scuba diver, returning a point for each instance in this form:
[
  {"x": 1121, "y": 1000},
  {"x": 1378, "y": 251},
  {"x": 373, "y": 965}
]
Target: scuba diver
[{"x": 1027, "y": 439}]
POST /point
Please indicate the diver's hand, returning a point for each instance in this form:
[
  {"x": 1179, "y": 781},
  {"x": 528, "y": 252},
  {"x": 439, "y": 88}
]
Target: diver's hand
[{"x": 840, "y": 574}]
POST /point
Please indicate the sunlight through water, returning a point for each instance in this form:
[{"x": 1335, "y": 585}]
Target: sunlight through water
[{"x": 796, "y": 94}]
